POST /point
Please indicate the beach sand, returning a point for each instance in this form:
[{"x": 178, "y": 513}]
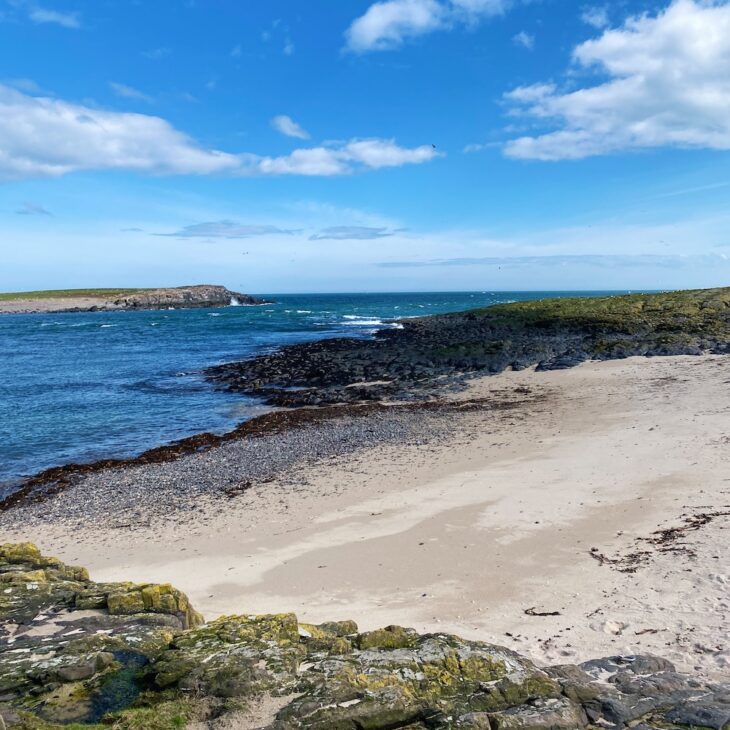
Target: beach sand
[{"x": 517, "y": 511}]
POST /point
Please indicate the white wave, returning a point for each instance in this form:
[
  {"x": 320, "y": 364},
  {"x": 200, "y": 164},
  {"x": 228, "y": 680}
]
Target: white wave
[
  {"x": 304, "y": 311},
  {"x": 107, "y": 325},
  {"x": 363, "y": 322},
  {"x": 235, "y": 302},
  {"x": 215, "y": 314}
]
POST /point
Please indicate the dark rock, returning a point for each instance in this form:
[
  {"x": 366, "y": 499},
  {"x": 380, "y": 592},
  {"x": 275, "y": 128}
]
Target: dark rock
[
  {"x": 132, "y": 666},
  {"x": 431, "y": 353}
]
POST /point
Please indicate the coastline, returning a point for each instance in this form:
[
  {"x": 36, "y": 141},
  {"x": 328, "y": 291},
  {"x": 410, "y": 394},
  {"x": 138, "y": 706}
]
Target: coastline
[
  {"x": 121, "y": 300},
  {"x": 459, "y": 506}
]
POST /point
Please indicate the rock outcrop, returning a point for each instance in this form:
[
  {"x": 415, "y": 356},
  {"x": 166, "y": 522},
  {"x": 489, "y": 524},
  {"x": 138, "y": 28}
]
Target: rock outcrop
[
  {"x": 74, "y": 653},
  {"x": 186, "y": 297},
  {"x": 110, "y": 300},
  {"x": 432, "y": 352}
]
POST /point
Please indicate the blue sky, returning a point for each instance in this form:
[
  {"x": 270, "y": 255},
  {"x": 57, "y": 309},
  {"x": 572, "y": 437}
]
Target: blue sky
[{"x": 334, "y": 146}]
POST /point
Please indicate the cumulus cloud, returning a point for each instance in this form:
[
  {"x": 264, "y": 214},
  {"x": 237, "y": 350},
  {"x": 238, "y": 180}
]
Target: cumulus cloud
[
  {"x": 668, "y": 85},
  {"x": 42, "y": 137},
  {"x": 595, "y": 16},
  {"x": 32, "y": 209},
  {"x": 351, "y": 233},
  {"x": 389, "y": 23},
  {"x": 226, "y": 229},
  {"x": 129, "y": 92},
  {"x": 524, "y": 39},
  {"x": 363, "y": 154},
  {"x": 288, "y": 127}
]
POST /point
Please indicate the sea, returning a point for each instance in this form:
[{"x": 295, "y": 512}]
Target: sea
[{"x": 76, "y": 387}]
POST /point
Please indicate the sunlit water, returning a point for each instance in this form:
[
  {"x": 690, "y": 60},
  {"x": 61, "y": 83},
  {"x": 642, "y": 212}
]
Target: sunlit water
[{"x": 81, "y": 386}]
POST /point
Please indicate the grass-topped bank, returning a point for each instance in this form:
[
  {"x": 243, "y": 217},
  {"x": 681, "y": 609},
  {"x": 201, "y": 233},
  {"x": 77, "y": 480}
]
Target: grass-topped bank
[
  {"x": 81, "y": 655},
  {"x": 66, "y": 294},
  {"x": 698, "y": 311},
  {"x": 429, "y": 353}
]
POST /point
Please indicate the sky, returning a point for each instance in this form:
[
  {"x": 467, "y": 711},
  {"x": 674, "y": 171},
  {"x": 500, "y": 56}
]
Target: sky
[{"x": 330, "y": 146}]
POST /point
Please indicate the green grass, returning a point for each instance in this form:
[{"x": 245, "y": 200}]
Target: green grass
[
  {"x": 67, "y": 293},
  {"x": 691, "y": 310}
]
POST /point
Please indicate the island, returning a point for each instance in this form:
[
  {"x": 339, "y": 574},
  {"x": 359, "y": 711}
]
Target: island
[{"x": 110, "y": 300}]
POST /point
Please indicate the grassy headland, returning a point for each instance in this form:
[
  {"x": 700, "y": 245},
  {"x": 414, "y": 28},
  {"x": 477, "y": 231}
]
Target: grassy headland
[
  {"x": 67, "y": 294},
  {"x": 430, "y": 352},
  {"x": 93, "y": 300}
]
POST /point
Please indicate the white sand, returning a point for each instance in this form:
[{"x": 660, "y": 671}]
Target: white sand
[{"x": 467, "y": 535}]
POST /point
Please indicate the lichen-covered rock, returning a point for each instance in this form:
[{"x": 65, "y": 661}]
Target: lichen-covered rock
[
  {"x": 78, "y": 654},
  {"x": 427, "y": 680},
  {"x": 235, "y": 656},
  {"x": 153, "y": 598},
  {"x": 391, "y": 637}
]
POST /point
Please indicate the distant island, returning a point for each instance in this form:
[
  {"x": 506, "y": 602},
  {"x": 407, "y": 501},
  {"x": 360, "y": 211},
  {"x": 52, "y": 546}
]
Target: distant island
[{"x": 109, "y": 300}]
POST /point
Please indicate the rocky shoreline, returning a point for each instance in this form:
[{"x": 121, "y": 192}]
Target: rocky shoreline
[
  {"x": 432, "y": 354},
  {"x": 272, "y": 445},
  {"x": 133, "y": 656},
  {"x": 184, "y": 297}
]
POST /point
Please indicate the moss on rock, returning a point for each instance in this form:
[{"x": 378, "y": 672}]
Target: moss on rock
[{"x": 116, "y": 655}]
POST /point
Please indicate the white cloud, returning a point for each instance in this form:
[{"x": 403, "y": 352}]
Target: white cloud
[
  {"x": 351, "y": 233},
  {"x": 129, "y": 92},
  {"x": 372, "y": 154},
  {"x": 389, "y": 23},
  {"x": 42, "y": 15},
  {"x": 596, "y": 16},
  {"x": 524, "y": 39},
  {"x": 48, "y": 137},
  {"x": 669, "y": 85},
  {"x": 42, "y": 137},
  {"x": 226, "y": 229},
  {"x": 287, "y": 126}
]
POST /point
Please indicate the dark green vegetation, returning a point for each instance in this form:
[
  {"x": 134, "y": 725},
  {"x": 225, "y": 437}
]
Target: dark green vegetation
[
  {"x": 433, "y": 352},
  {"x": 68, "y": 294},
  {"x": 82, "y": 655}
]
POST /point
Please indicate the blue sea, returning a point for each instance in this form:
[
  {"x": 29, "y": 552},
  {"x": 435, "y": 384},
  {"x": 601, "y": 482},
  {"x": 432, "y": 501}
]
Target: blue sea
[{"x": 77, "y": 387}]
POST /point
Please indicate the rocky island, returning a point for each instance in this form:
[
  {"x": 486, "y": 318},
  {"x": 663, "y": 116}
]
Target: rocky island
[
  {"x": 111, "y": 300},
  {"x": 79, "y": 654}
]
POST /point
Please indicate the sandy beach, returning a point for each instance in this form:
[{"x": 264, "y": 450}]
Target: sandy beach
[{"x": 548, "y": 504}]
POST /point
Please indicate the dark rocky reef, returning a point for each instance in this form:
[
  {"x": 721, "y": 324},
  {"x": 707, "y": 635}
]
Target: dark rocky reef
[
  {"x": 431, "y": 352},
  {"x": 79, "y": 654}
]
